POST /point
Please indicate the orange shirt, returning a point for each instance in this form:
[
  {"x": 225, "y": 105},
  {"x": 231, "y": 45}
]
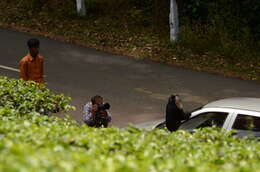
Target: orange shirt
[{"x": 31, "y": 69}]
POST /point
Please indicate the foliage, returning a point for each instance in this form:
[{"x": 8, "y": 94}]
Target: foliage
[
  {"x": 54, "y": 7},
  {"x": 203, "y": 38},
  {"x": 135, "y": 12},
  {"x": 39, "y": 143},
  {"x": 27, "y": 96},
  {"x": 235, "y": 16}
]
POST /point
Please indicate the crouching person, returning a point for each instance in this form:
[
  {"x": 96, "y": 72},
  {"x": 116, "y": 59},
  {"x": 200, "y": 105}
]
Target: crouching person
[{"x": 96, "y": 113}]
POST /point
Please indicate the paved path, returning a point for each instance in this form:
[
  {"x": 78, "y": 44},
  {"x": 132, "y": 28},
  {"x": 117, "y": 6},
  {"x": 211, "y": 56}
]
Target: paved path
[{"x": 136, "y": 89}]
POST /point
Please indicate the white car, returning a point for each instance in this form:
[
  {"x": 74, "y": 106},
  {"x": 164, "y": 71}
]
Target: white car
[{"x": 240, "y": 114}]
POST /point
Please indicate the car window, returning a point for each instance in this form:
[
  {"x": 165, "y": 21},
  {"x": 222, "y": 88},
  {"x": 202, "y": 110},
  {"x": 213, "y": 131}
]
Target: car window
[
  {"x": 208, "y": 119},
  {"x": 246, "y": 122}
]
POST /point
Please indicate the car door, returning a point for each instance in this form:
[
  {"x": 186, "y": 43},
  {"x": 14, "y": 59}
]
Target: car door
[
  {"x": 246, "y": 123},
  {"x": 208, "y": 117}
]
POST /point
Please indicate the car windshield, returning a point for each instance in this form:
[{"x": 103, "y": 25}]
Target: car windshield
[{"x": 208, "y": 119}]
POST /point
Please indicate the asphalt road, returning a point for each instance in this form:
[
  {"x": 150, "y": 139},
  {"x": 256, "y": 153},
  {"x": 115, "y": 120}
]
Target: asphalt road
[{"x": 136, "y": 89}]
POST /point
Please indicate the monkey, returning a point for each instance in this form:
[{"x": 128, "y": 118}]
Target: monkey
[{"x": 175, "y": 113}]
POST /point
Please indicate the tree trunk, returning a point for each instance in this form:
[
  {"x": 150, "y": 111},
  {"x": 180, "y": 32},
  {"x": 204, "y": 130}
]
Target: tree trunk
[
  {"x": 81, "y": 8},
  {"x": 174, "y": 21}
]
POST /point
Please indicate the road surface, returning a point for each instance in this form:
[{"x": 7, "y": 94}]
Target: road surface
[{"x": 136, "y": 89}]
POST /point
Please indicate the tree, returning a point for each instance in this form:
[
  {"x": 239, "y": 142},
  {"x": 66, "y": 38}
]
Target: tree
[
  {"x": 81, "y": 8},
  {"x": 166, "y": 14},
  {"x": 174, "y": 21}
]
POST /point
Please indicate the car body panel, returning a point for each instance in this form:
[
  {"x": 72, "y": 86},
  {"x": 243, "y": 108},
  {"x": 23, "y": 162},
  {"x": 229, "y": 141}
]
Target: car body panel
[{"x": 240, "y": 103}]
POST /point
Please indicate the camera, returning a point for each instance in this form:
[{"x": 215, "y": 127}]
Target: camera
[
  {"x": 100, "y": 118},
  {"x": 104, "y": 106}
]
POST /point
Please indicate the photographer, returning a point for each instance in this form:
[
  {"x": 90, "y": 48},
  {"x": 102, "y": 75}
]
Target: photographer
[{"x": 96, "y": 113}]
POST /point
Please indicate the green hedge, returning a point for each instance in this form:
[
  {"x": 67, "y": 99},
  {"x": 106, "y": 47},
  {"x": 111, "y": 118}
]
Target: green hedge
[
  {"x": 25, "y": 97},
  {"x": 40, "y": 143},
  {"x": 34, "y": 142}
]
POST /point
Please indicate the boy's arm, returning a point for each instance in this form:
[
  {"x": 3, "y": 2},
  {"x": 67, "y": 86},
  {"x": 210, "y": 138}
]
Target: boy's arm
[
  {"x": 23, "y": 70},
  {"x": 88, "y": 112}
]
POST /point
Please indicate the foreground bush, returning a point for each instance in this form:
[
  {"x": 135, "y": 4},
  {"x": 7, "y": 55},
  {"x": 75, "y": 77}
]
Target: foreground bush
[
  {"x": 33, "y": 142},
  {"x": 39, "y": 143},
  {"x": 27, "y": 97}
]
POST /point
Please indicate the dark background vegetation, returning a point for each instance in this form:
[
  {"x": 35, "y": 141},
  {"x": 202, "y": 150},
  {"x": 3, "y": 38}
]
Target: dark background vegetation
[{"x": 213, "y": 33}]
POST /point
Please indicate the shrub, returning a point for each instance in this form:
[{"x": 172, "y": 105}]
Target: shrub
[
  {"x": 33, "y": 142},
  {"x": 27, "y": 96},
  {"x": 39, "y": 143}
]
